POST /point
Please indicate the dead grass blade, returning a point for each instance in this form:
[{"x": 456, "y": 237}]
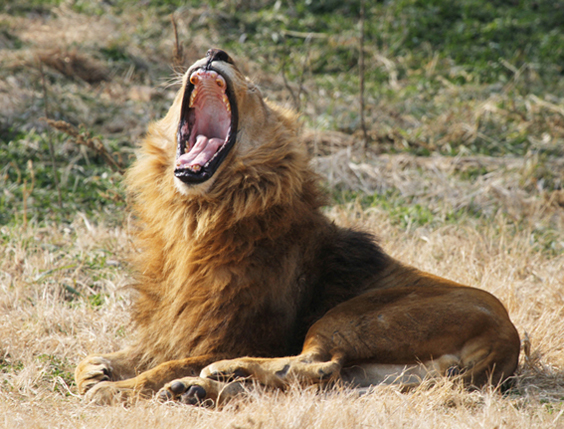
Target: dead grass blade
[
  {"x": 27, "y": 192},
  {"x": 49, "y": 141},
  {"x": 178, "y": 52},
  {"x": 84, "y": 138},
  {"x": 361, "y": 75}
]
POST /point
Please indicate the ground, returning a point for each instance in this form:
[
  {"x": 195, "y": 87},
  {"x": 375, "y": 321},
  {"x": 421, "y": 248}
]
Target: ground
[{"x": 461, "y": 176}]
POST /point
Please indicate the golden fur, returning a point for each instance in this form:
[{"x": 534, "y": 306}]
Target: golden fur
[{"x": 246, "y": 266}]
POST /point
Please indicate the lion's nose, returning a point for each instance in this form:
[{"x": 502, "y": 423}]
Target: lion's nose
[{"x": 218, "y": 55}]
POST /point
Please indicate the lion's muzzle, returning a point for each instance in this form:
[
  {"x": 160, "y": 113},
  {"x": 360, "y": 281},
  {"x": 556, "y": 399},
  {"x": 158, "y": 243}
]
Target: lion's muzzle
[{"x": 208, "y": 125}]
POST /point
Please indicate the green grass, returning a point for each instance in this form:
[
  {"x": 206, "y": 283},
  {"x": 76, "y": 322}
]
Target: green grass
[
  {"x": 56, "y": 368},
  {"x": 77, "y": 181},
  {"x": 19, "y": 8},
  {"x": 405, "y": 211},
  {"x": 6, "y": 365}
]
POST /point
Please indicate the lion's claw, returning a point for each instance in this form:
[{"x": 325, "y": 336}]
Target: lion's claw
[
  {"x": 92, "y": 371},
  {"x": 227, "y": 376},
  {"x": 226, "y": 370},
  {"x": 165, "y": 395}
]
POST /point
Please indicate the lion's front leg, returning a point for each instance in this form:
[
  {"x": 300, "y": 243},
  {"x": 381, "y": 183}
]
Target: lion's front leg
[
  {"x": 95, "y": 369},
  {"x": 306, "y": 369},
  {"x": 222, "y": 380},
  {"x": 145, "y": 384}
]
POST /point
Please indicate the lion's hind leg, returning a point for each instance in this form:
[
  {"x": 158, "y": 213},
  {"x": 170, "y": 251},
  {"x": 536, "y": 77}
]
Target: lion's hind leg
[
  {"x": 397, "y": 335},
  {"x": 400, "y": 335}
]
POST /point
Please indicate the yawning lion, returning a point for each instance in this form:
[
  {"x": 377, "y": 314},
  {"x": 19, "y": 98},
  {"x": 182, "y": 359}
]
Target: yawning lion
[{"x": 240, "y": 275}]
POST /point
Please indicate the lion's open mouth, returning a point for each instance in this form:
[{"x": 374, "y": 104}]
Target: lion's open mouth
[{"x": 208, "y": 126}]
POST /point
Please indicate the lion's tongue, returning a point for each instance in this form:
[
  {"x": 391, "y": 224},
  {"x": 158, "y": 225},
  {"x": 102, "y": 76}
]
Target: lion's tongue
[{"x": 202, "y": 151}]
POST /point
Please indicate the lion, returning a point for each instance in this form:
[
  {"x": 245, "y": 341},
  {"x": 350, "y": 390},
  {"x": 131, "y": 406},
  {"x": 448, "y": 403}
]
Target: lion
[{"x": 242, "y": 277}]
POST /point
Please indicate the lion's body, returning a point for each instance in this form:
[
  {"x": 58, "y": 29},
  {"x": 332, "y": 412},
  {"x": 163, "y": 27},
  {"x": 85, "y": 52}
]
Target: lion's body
[{"x": 248, "y": 266}]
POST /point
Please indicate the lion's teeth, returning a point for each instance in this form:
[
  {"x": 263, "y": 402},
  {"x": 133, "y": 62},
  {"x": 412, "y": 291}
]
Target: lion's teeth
[
  {"x": 226, "y": 102},
  {"x": 192, "y": 98},
  {"x": 195, "y": 168}
]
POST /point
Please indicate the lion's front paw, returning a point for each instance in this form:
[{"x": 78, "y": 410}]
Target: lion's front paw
[
  {"x": 91, "y": 371},
  {"x": 199, "y": 391},
  {"x": 103, "y": 393},
  {"x": 110, "y": 392}
]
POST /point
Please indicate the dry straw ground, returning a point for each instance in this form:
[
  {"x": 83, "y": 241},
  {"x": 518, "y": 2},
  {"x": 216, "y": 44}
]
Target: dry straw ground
[
  {"x": 495, "y": 223},
  {"x": 46, "y": 328}
]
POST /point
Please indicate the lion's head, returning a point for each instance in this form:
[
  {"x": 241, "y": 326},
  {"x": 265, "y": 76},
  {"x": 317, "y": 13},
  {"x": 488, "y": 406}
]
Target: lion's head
[{"x": 221, "y": 154}]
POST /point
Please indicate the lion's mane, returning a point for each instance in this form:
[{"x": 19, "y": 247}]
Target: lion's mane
[{"x": 199, "y": 270}]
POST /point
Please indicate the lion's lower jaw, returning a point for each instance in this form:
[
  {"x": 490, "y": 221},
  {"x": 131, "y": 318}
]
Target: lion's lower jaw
[{"x": 193, "y": 190}]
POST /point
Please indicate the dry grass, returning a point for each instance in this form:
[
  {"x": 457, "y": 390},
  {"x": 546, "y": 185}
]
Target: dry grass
[{"x": 64, "y": 295}]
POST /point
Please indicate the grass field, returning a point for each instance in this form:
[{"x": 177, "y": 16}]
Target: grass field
[{"x": 462, "y": 176}]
